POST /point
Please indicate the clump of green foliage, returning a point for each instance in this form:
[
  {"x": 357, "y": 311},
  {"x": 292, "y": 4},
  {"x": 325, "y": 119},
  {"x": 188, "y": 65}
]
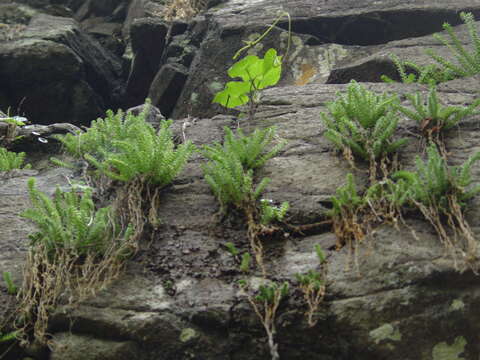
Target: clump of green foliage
[
  {"x": 432, "y": 117},
  {"x": 125, "y": 148},
  {"x": 362, "y": 124},
  {"x": 10, "y": 160},
  {"x": 100, "y": 139},
  {"x": 11, "y": 287},
  {"x": 410, "y": 73},
  {"x": 71, "y": 222},
  {"x": 270, "y": 213},
  {"x": 441, "y": 192},
  {"x": 467, "y": 61},
  {"x": 230, "y": 169},
  {"x": 312, "y": 285},
  {"x": 149, "y": 155},
  {"x": 256, "y": 74},
  {"x": 348, "y": 215},
  {"x": 76, "y": 250},
  {"x": 229, "y": 172}
]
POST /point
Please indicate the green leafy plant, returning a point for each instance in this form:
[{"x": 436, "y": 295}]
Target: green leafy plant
[
  {"x": 269, "y": 212},
  {"x": 76, "y": 250},
  {"x": 362, "y": 124},
  {"x": 100, "y": 139},
  {"x": 148, "y": 155},
  {"x": 11, "y": 287},
  {"x": 256, "y": 74},
  {"x": 253, "y": 150},
  {"x": 230, "y": 169},
  {"x": 10, "y": 336},
  {"x": 432, "y": 117},
  {"x": 265, "y": 304},
  {"x": 70, "y": 221},
  {"x": 467, "y": 62},
  {"x": 347, "y": 208},
  {"x": 10, "y": 160},
  {"x": 245, "y": 262},
  {"x": 312, "y": 285},
  {"x": 410, "y": 72},
  {"x": 441, "y": 192}
]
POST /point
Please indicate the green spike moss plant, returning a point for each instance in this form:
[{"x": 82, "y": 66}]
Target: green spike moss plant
[
  {"x": 433, "y": 118},
  {"x": 441, "y": 193},
  {"x": 465, "y": 62},
  {"x": 361, "y": 124},
  {"x": 312, "y": 284},
  {"x": 10, "y": 160},
  {"x": 76, "y": 250},
  {"x": 124, "y": 148},
  {"x": 229, "y": 172},
  {"x": 410, "y": 72}
]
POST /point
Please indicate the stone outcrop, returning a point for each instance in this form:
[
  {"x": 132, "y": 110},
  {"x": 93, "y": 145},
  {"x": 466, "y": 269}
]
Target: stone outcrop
[
  {"x": 179, "y": 297},
  {"x": 53, "y": 72}
]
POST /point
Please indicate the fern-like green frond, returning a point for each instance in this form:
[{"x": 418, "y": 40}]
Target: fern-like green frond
[
  {"x": 10, "y": 160},
  {"x": 70, "y": 221}
]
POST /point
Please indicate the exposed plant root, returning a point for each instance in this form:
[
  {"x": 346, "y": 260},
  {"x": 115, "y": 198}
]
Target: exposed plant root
[
  {"x": 313, "y": 297},
  {"x": 66, "y": 277},
  {"x": 462, "y": 242}
]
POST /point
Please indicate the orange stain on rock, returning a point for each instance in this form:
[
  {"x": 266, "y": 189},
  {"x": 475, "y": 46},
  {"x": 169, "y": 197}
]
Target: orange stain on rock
[{"x": 308, "y": 71}]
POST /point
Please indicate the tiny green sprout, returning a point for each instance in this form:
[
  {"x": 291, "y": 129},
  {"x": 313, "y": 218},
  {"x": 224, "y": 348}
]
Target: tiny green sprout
[
  {"x": 320, "y": 254},
  {"x": 16, "y": 121},
  {"x": 245, "y": 263},
  {"x": 311, "y": 279},
  {"x": 11, "y": 288},
  {"x": 269, "y": 213},
  {"x": 8, "y": 336},
  {"x": 232, "y": 249},
  {"x": 272, "y": 293}
]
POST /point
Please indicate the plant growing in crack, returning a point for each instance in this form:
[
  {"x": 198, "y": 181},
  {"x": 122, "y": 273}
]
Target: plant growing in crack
[
  {"x": 312, "y": 285},
  {"x": 433, "y": 118},
  {"x": 229, "y": 172},
  {"x": 265, "y": 303},
  {"x": 467, "y": 62},
  {"x": 256, "y": 74},
  {"x": 411, "y": 72},
  {"x": 361, "y": 124},
  {"x": 441, "y": 192}
]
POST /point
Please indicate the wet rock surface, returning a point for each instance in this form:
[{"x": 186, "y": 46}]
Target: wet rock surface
[{"x": 179, "y": 297}]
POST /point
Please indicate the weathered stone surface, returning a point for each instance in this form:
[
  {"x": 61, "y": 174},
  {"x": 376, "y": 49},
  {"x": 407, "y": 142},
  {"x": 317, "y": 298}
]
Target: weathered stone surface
[
  {"x": 55, "y": 72},
  {"x": 66, "y": 347},
  {"x": 166, "y": 87},
  {"x": 326, "y": 35},
  {"x": 397, "y": 297},
  {"x": 148, "y": 42}
]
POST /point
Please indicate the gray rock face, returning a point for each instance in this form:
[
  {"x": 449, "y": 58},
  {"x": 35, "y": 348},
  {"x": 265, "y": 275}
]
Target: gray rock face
[
  {"x": 327, "y": 35},
  {"x": 179, "y": 297},
  {"x": 54, "y": 73}
]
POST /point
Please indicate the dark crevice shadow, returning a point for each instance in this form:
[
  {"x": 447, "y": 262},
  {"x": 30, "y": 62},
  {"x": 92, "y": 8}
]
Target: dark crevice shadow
[{"x": 377, "y": 27}]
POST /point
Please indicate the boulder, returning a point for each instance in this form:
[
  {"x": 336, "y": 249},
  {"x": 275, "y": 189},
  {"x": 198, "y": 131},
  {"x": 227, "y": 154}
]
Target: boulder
[{"x": 55, "y": 72}]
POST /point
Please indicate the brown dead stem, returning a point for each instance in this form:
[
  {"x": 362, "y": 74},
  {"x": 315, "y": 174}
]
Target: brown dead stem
[{"x": 64, "y": 277}]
